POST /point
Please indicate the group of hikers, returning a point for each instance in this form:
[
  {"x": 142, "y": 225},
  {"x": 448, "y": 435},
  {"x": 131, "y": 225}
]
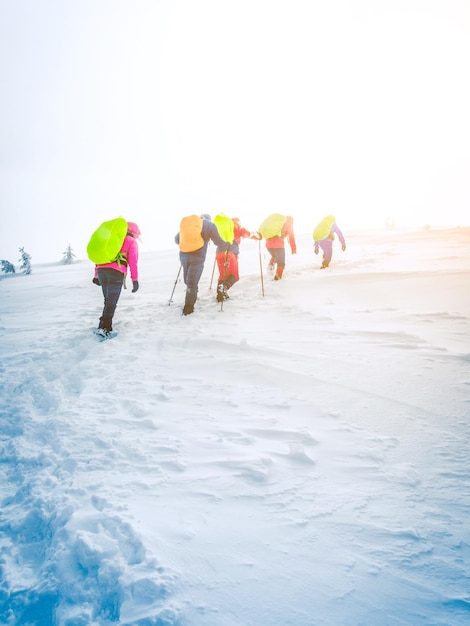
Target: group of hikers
[{"x": 193, "y": 238}]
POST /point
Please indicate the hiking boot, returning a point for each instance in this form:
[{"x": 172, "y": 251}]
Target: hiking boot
[
  {"x": 102, "y": 332},
  {"x": 222, "y": 293},
  {"x": 188, "y": 309},
  {"x": 279, "y": 272}
]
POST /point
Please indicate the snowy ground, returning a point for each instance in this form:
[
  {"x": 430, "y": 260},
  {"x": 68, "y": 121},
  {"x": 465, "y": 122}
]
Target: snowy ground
[{"x": 300, "y": 458}]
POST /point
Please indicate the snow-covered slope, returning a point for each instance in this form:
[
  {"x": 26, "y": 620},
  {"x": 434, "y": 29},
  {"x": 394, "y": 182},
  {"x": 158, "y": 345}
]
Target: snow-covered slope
[{"x": 299, "y": 458}]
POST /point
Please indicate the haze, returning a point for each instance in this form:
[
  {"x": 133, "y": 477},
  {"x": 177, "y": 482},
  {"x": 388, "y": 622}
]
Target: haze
[{"x": 154, "y": 110}]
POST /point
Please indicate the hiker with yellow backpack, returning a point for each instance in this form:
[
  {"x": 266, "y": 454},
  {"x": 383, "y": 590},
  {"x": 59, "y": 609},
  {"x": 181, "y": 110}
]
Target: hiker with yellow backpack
[
  {"x": 324, "y": 235},
  {"x": 275, "y": 229},
  {"x": 231, "y": 231},
  {"x": 113, "y": 248},
  {"x": 193, "y": 238}
]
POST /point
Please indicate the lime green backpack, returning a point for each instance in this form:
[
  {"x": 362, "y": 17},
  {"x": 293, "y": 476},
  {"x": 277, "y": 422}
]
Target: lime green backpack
[
  {"x": 272, "y": 226},
  {"x": 106, "y": 242},
  {"x": 322, "y": 230},
  {"x": 225, "y": 226}
]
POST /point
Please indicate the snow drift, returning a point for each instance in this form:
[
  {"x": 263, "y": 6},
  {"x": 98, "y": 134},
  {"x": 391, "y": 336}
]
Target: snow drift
[{"x": 297, "y": 458}]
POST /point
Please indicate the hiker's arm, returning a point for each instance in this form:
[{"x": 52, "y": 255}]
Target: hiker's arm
[
  {"x": 216, "y": 238},
  {"x": 132, "y": 259},
  {"x": 335, "y": 229}
]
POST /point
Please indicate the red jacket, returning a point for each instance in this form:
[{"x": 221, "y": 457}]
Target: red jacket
[{"x": 239, "y": 231}]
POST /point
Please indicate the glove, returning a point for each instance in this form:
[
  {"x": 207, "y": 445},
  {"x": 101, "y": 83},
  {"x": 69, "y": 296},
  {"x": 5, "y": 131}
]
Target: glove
[
  {"x": 343, "y": 248},
  {"x": 316, "y": 250},
  {"x": 255, "y": 236},
  {"x": 294, "y": 250},
  {"x": 135, "y": 285},
  {"x": 96, "y": 281}
]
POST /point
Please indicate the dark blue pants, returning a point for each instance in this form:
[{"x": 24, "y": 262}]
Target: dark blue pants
[
  {"x": 193, "y": 266},
  {"x": 111, "y": 284}
]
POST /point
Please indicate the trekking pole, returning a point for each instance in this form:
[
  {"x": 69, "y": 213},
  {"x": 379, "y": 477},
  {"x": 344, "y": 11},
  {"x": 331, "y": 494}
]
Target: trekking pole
[
  {"x": 174, "y": 286},
  {"x": 213, "y": 270},
  {"x": 261, "y": 268}
]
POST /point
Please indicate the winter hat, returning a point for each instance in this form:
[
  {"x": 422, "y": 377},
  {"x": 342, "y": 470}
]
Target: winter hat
[
  {"x": 206, "y": 216},
  {"x": 133, "y": 230}
]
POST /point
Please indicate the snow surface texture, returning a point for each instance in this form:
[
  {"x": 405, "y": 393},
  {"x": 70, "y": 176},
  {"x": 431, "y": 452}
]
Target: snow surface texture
[{"x": 299, "y": 459}]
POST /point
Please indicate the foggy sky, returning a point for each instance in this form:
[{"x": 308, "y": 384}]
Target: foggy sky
[{"x": 153, "y": 110}]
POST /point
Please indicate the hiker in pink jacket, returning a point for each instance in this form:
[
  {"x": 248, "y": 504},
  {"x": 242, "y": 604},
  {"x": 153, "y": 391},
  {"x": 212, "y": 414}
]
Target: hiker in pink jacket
[
  {"x": 112, "y": 276},
  {"x": 324, "y": 235}
]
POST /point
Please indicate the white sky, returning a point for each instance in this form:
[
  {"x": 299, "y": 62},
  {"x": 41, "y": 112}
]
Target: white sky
[{"x": 154, "y": 110}]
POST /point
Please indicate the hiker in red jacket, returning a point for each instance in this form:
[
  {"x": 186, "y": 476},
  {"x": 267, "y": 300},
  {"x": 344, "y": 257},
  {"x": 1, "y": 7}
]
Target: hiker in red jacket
[
  {"x": 276, "y": 228},
  {"x": 227, "y": 261}
]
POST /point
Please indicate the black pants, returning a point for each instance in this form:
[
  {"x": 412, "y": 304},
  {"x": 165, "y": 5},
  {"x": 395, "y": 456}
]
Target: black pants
[{"x": 111, "y": 284}]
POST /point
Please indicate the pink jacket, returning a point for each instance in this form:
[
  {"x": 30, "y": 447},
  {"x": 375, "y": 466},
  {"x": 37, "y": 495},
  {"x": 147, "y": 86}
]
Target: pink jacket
[{"x": 131, "y": 250}]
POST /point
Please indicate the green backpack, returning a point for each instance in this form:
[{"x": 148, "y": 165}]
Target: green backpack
[{"x": 106, "y": 242}]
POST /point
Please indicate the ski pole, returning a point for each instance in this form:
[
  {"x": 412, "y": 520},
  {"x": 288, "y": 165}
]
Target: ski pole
[
  {"x": 213, "y": 270},
  {"x": 261, "y": 268},
  {"x": 174, "y": 286}
]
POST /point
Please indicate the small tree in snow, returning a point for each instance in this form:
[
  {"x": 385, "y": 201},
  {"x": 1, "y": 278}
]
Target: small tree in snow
[
  {"x": 68, "y": 255},
  {"x": 7, "y": 267},
  {"x": 25, "y": 261}
]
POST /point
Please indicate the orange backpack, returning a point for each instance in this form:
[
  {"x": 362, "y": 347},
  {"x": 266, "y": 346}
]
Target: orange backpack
[{"x": 191, "y": 233}]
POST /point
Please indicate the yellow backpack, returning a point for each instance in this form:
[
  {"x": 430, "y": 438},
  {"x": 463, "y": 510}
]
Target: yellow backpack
[
  {"x": 272, "y": 226},
  {"x": 322, "y": 230},
  {"x": 191, "y": 233},
  {"x": 225, "y": 226},
  {"x": 106, "y": 242}
]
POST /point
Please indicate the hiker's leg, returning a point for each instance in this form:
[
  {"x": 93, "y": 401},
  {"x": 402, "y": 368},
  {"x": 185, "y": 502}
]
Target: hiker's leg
[
  {"x": 279, "y": 255},
  {"x": 111, "y": 283},
  {"x": 195, "y": 268},
  {"x": 327, "y": 248},
  {"x": 184, "y": 260}
]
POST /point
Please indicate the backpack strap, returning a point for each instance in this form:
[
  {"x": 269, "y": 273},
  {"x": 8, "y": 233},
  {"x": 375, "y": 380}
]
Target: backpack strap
[{"x": 121, "y": 258}]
